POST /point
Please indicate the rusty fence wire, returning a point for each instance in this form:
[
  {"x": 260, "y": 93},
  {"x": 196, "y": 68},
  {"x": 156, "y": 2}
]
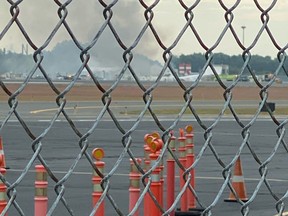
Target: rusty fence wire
[{"x": 65, "y": 15}]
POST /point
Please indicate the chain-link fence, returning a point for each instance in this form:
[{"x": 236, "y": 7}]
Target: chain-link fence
[{"x": 121, "y": 83}]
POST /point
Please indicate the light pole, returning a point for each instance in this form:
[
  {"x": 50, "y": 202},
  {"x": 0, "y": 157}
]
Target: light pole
[{"x": 243, "y": 34}]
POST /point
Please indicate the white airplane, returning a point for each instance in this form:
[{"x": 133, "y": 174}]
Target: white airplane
[
  {"x": 169, "y": 77},
  {"x": 190, "y": 78}
]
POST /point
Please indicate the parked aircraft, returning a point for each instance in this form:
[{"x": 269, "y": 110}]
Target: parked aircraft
[
  {"x": 170, "y": 77},
  {"x": 190, "y": 78}
]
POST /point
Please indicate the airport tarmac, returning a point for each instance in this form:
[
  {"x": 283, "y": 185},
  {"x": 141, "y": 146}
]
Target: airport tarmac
[{"x": 60, "y": 148}]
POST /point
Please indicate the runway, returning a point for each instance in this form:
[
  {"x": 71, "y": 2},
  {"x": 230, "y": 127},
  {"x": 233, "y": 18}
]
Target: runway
[{"x": 123, "y": 110}]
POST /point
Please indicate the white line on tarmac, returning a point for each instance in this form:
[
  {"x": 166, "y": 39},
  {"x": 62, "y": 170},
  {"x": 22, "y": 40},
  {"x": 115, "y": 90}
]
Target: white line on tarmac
[
  {"x": 131, "y": 119},
  {"x": 133, "y": 106},
  {"x": 93, "y": 107},
  {"x": 123, "y": 174}
]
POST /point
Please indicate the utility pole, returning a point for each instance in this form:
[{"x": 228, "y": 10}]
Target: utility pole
[{"x": 243, "y": 35}]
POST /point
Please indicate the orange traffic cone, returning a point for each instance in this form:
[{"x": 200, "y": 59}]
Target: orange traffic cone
[
  {"x": 2, "y": 156},
  {"x": 238, "y": 184}
]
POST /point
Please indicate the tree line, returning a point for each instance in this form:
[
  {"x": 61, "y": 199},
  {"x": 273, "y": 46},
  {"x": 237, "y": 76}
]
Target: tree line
[
  {"x": 259, "y": 64},
  {"x": 58, "y": 60},
  {"x": 64, "y": 61},
  {"x": 15, "y": 62}
]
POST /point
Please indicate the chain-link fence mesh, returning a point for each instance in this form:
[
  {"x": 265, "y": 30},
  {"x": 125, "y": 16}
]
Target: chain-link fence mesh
[{"x": 138, "y": 32}]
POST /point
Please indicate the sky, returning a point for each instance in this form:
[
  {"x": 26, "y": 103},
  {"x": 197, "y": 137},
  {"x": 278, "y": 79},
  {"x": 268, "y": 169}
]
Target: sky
[{"x": 85, "y": 19}]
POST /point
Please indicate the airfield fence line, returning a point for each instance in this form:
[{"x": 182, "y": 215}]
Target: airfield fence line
[{"x": 148, "y": 14}]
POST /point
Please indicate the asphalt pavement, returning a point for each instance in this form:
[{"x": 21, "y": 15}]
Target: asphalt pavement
[{"x": 61, "y": 148}]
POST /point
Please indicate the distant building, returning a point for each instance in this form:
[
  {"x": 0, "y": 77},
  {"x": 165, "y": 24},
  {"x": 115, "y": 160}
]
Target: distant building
[
  {"x": 10, "y": 75},
  {"x": 184, "y": 69}
]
